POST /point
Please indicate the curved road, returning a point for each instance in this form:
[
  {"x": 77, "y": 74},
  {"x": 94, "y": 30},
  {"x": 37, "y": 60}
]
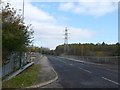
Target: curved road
[{"x": 74, "y": 74}]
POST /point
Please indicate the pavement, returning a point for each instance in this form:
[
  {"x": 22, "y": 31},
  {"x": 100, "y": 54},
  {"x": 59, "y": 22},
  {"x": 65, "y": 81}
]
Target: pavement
[
  {"x": 47, "y": 75},
  {"x": 73, "y": 74}
]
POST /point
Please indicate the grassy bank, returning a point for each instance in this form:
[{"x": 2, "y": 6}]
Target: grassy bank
[{"x": 24, "y": 79}]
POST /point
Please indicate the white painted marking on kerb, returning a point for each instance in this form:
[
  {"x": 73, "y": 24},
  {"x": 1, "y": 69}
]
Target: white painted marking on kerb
[
  {"x": 85, "y": 70},
  {"x": 110, "y": 80}
]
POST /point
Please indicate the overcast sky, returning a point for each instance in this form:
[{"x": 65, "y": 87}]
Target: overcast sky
[{"x": 88, "y": 22}]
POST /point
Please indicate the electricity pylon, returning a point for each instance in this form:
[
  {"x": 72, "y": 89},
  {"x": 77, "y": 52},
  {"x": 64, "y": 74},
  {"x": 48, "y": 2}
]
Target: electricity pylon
[{"x": 66, "y": 48}]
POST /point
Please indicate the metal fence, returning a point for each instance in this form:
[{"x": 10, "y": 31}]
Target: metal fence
[
  {"x": 95, "y": 59},
  {"x": 14, "y": 62}
]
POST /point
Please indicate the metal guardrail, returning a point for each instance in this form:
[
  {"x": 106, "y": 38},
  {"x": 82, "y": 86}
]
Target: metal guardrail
[
  {"x": 19, "y": 71},
  {"x": 13, "y": 63}
]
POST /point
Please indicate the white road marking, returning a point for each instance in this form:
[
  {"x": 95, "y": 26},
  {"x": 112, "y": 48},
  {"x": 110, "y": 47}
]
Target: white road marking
[
  {"x": 88, "y": 63},
  {"x": 63, "y": 61},
  {"x": 71, "y": 64},
  {"x": 66, "y": 62},
  {"x": 85, "y": 70},
  {"x": 110, "y": 80}
]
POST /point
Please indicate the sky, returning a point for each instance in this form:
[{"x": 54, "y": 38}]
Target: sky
[{"x": 95, "y": 21}]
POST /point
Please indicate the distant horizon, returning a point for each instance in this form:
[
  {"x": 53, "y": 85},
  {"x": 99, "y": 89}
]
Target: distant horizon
[{"x": 78, "y": 43}]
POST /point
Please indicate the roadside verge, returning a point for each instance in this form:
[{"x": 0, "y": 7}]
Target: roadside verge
[
  {"x": 47, "y": 74},
  {"x": 18, "y": 71}
]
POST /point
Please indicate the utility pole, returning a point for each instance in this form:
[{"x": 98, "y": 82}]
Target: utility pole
[
  {"x": 21, "y": 62},
  {"x": 23, "y": 11},
  {"x": 66, "y": 48}
]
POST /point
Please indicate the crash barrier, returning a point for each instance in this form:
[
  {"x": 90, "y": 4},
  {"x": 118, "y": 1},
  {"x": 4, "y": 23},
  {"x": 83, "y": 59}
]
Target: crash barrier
[{"x": 14, "y": 61}]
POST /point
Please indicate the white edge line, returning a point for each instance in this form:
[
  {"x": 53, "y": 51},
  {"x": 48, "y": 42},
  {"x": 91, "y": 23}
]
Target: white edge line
[{"x": 110, "y": 80}]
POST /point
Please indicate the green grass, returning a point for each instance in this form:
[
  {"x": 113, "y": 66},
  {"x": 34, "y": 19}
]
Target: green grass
[{"x": 26, "y": 78}]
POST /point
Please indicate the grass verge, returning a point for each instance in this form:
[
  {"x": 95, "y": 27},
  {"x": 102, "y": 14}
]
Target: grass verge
[{"x": 26, "y": 78}]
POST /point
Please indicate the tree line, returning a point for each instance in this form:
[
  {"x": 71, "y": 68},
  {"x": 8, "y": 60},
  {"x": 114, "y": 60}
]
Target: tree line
[
  {"x": 87, "y": 49},
  {"x": 90, "y": 49},
  {"x": 42, "y": 50}
]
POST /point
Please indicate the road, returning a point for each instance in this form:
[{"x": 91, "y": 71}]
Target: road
[{"x": 74, "y": 74}]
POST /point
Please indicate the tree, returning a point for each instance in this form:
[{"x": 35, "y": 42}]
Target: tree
[
  {"x": 16, "y": 36},
  {"x": 103, "y": 43},
  {"x": 118, "y": 49}
]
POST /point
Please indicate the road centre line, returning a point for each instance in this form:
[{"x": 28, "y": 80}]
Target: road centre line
[
  {"x": 67, "y": 63},
  {"x": 63, "y": 61},
  {"x": 85, "y": 70},
  {"x": 71, "y": 64},
  {"x": 110, "y": 80},
  {"x": 79, "y": 68}
]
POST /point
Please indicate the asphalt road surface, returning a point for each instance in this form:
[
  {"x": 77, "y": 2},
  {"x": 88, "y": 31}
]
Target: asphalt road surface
[{"x": 74, "y": 74}]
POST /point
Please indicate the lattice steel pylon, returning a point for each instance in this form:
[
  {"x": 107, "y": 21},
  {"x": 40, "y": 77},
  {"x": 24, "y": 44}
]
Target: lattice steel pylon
[{"x": 66, "y": 48}]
